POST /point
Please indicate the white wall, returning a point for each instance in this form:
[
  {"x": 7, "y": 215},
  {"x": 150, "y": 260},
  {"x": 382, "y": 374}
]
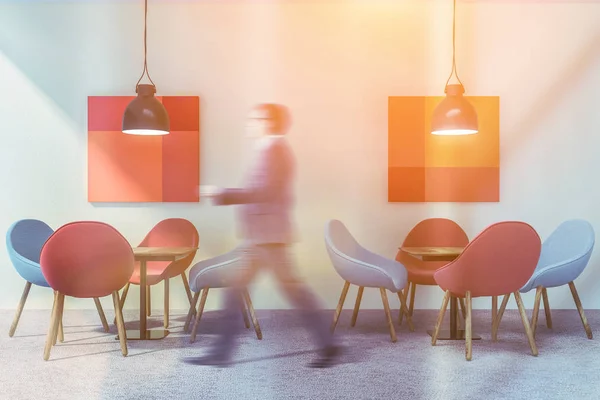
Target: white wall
[{"x": 334, "y": 64}]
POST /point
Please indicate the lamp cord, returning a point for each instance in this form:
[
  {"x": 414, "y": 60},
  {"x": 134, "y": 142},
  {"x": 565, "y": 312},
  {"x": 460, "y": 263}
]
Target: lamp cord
[
  {"x": 454, "y": 70},
  {"x": 145, "y": 71}
]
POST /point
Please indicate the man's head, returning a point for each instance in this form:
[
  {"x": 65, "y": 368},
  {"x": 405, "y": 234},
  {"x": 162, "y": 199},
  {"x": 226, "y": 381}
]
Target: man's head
[{"x": 268, "y": 119}]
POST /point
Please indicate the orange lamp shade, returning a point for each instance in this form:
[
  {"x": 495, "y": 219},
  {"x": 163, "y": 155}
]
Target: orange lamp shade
[{"x": 455, "y": 115}]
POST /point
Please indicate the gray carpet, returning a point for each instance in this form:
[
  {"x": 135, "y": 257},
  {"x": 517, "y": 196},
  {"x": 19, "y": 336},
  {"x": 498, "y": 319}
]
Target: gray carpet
[{"x": 89, "y": 365}]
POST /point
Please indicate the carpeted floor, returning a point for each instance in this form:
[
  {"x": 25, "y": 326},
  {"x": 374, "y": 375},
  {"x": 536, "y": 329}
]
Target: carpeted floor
[{"x": 89, "y": 365}]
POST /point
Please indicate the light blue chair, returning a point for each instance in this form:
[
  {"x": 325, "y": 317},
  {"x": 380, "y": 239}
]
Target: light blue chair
[
  {"x": 219, "y": 272},
  {"x": 565, "y": 254},
  {"x": 24, "y": 242},
  {"x": 358, "y": 266}
]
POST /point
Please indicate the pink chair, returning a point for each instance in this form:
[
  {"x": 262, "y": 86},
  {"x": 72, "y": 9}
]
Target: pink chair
[
  {"x": 432, "y": 232},
  {"x": 499, "y": 261},
  {"x": 172, "y": 232},
  {"x": 86, "y": 260}
]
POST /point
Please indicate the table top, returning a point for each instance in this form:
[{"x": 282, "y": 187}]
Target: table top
[
  {"x": 162, "y": 252},
  {"x": 433, "y": 251}
]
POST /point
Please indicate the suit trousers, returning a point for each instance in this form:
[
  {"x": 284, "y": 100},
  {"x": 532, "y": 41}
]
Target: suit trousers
[{"x": 277, "y": 258}]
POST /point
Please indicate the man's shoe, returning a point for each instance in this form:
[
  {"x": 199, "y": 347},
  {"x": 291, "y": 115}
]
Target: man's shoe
[
  {"x": 327, "y": 357},
  {"x": 214, "y": 358}
]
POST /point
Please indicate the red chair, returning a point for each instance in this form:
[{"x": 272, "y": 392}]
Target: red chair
[
  {"x": 172, "y": 232},
  {"x": 499, "y": 261},
  {"x": 432, "y": 232},
  {"x": 86, "y": 260}
]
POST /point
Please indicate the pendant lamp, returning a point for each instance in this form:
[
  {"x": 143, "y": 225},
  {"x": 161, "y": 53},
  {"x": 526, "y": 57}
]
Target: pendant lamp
[
  {"x": 454, "y": 115},
  {"x": 145, "y": 115}
]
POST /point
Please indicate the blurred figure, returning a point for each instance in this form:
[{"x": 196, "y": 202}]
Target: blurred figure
[{"x": 266, "y": 227}]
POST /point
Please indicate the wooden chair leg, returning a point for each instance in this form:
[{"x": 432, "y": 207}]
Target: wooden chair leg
[
  {"x": 120, "y": 323},
  {"x": 54, "y": 322},
  {"x": 122, "y": 301},
  {"x": 496, "y": 322},
  {"x": 413, "y": 289},
  {"x": 166, "y": 304},
  {"x": 101, "y": 314},
  {"x": 124, "y": 295},
  {"x": 463, "y": 313},
  {"x": 13, "y": 326},
  {"x": 440, "y": 318},
  {"x": 338, "y": 310},
  {"x": 186, "y": 285},
  {"x": 388, "y": 314},
  {"x": 148, "y": 301},
  {"x": 61, "y": 329},
  {"x": 357, "y": 305},
  {"x": 468, "y": 326},
  {"x": 584, "y": 321},
  {"x": 404, "y": 310},
  {"x": 494, "y": 309},
  {"x": 199, "y": 315},
  {"x": 244, "y": 311},
  {"x": 536, "y": 309},
  {"x": 547, "y": 309},
  {"x": 463, "y": 308},
  {"x": 54, "y": 302},
  {"x": 60, "y": 334},
  {"x": 252, "y": 314},
  {"x": 191, "y": 312},
  {"x": 406, "y": 291},
  {"x": 526, "y": 325}
]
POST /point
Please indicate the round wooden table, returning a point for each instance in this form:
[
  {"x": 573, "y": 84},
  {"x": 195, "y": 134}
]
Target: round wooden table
[{"x": 144, "y": 255}]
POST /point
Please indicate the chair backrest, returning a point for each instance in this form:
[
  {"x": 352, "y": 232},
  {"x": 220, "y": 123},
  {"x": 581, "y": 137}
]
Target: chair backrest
[
  {"x": 174, "y": 232},
  {"x": 356, "y": 264},
  {"x": 438, "y": 232},
  {"x": 339, "y": 239},
  {"x": 87, "y": 259},
  {"x": 26, "y": 238},
  {"x": 500, "y": 260},
  {"x": 434, "y": 232},
  {"x": 572, "y": 240}
]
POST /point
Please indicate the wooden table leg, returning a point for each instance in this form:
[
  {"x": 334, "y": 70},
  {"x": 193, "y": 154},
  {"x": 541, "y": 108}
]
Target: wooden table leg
[
  {"x": 144, "y": 333},
  {"x": 143, "y": 306},
  {"x": 453, "y": 333}
]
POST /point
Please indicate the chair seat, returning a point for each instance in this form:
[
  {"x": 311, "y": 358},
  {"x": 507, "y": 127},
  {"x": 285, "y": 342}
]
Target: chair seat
[
  {"x": 420, "y": 272},
  {"x": 368, "y": 269},
  {"x": 155, "y": 271},
  {"x": 565, "y": 254},
  {"x": 359, "y": 266},
  {"x": 217, "y": 272},
  {"x": 549, "y": 276},
  {"x": 29, "y": 270},
  {"x": 423, "y": 274}
]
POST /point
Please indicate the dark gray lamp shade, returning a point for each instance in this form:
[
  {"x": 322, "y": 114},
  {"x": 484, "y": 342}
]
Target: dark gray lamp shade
[{"x": 145, "y": 115}]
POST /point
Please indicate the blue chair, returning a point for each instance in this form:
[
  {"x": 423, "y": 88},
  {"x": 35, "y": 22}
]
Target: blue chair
[
  {"x": 358, "y": 266},
  {"x": 565, "y": 254},
  {"x": 219, "y": 272},
  {"x": 24, "y": 242}
]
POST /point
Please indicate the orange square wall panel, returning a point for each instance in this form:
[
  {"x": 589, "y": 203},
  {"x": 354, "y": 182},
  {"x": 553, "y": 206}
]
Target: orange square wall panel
[
  {"x": 432, "y": 168},
  {"x": 406, "y": 184},
  {"x": 180, "y": 166},
  {"x": 130, "y": 168},
  {"x": 406, "y": 147},
  {"x": 462, "y": 184}
]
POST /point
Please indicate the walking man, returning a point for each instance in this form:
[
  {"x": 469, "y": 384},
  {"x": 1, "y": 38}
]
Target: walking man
[{"x": 265, "y": 206}]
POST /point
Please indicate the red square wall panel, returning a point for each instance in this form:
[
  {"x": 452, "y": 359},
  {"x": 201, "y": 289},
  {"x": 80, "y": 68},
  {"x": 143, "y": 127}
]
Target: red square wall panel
[{"x": 130, "y": 168}]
